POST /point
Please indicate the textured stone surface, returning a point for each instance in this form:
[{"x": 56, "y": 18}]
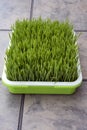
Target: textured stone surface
[
  {"x": 4, "y": 41},
  {"x": 74, "y": 10},
  {"x": 10, "y": 10},
  {"x": 56, "y": 112},
  {"x": 9, "y": 109}
]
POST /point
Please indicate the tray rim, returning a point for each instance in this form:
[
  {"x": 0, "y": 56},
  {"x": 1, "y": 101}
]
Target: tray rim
[{"x": 42, "y": 83}]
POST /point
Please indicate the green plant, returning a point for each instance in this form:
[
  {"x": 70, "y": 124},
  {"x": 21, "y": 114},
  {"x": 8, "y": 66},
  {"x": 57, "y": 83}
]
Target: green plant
[{"x": 42, "y": 50}]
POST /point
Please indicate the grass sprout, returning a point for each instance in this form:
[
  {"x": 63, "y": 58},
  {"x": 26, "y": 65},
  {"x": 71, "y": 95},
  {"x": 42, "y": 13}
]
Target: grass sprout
[{"x": 42, "y": 50}]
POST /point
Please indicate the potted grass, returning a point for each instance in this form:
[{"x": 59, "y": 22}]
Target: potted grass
[{"x": 42, "y": 58}]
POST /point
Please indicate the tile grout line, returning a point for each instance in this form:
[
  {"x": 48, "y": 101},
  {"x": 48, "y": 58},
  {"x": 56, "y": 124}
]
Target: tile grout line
[
  {"x": 31, "y": 9},
  {"x": 20, "y": 118},
  {"x": 2, "y": 30},
  {"x": 84, "y": 80},
  {"x": 79, "y": 30},
  {"x": 21, "y": 112}
]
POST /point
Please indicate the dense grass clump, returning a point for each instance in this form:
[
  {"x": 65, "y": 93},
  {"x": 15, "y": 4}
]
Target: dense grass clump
[{"x": 42, "y": 50}]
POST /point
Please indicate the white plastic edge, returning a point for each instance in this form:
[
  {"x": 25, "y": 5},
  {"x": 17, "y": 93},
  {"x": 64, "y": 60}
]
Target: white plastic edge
[{"x": 41, "y": 83}]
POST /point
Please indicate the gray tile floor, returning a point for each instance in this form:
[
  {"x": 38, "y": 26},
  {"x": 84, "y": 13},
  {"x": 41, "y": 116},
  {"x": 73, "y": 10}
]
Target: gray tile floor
[{"x": 44, "y": 112}]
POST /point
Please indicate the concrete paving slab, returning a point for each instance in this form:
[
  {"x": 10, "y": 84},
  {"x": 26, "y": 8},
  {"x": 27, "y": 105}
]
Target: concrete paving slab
[
  {"x": 56, "y": 112},
  {"x": 9, "y": 109},
  {"x": 13, "y": 10},
  {"x": 74, "y": 10}
]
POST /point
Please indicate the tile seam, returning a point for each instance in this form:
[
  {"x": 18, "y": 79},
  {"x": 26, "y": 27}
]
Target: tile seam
[
  {"x": 20, "y": 119},
  {"x": 31, "y": 9},
  {"x": 21, "y": 112}
]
